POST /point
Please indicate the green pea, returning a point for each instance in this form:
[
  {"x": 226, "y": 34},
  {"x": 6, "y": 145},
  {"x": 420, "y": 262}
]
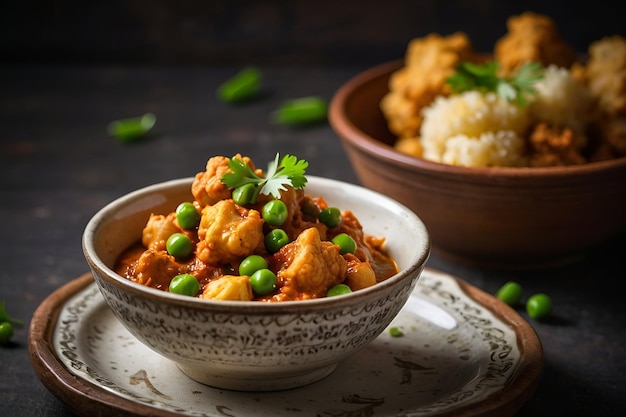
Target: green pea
[
  {"x": 275, "y": 239},
  {"x": 263, "y": 281},
  {"x": 301, "y": 111},
  {"x": 185, "y": 284},
  {"x": 243, "y": 86},
  {"x": 187, "y": 215},
  {"x": 131, "y": 129},
  {"x": 395, "y": 332},
  {"x": 251, "y": 264},
  {"x": 510, "y": 293},
  {"x": 339, "y": 289},
  {"x": 345, "y": 242},
  {"x": 179, "y": 245},
  {"x": 275, "y": 212},
  {"x": 330, "y": 216},
  {"x": 6, "y": 333},
  {"x": 539, "y": 306},
  {"x": 245, "y": 194}
]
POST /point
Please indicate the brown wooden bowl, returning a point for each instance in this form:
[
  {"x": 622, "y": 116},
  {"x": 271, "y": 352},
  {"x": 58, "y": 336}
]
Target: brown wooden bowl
[{"x": 497, "y": 217}]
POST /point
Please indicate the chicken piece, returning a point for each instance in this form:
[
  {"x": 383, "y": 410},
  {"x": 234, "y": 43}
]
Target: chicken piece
[
  {"x": 359, "y": 274},
  {"x": 156, "y": 269},
  {"x": 532, "y": 37},
  {"x": 227, "y": 232},
  {"x": 310, "y": 267},
  {"x": 428, "y": 62},
  {"x": 157, "y": 230},
  {"x": 606, "y": 74},
  {"x": 207, "y": 187},
  {"x": 553, "y": 147},
  {"x": 228, "y": 287}
]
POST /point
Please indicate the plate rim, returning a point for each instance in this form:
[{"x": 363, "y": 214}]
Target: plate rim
[{"x": 89, "y": 399}]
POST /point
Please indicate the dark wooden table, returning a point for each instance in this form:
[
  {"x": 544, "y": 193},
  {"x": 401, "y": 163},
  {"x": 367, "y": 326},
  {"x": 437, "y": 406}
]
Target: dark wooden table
[{"x": 59, "y": 167}]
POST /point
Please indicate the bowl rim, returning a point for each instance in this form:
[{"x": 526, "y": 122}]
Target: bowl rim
[
  {"x": 361, "y": 140},
  {"x": 247, "y": 307}
]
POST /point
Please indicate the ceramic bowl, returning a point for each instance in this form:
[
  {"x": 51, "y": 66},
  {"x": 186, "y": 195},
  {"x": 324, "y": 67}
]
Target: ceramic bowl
[
  {"x": 254, "y": 346},
  {"x": 490, "y": 217}
]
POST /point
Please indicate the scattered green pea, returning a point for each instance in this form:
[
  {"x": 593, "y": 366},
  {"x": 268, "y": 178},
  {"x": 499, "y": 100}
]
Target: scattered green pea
[
  {"x": 245, "y": 194},
  {"x": 275, "y": 212},
  {"x": 242, "y": 86},
  {"x": 345, "y": 242},
  {"x": 251, "y": 264},
  {"x": 538, "y": 306},
  {"x": 339, "y": 289},
  {"x": 301, "y": 111},
  {"x": 263, "y": 281},
  {"x": 131, "y": 129},
  {"x": 395, "y": 332},
  {"x": 330, "y": 216},
  {"x": 6, "y": 325},
  {"x": 187, "y": 215},
  {"x": 510, "y": 293},
  {"x": 184, "y": 284},
  {"x": 275, "y": 239},
  {"x": 6, "y": 332},
  {"x": 179, "y": 245}
]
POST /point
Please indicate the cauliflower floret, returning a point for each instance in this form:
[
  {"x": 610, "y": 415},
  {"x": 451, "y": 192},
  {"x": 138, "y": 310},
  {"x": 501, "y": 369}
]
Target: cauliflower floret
[
  {"x": 562, "y": 102},
  {"x": 207, "y": 187},
  {"x": 158, "y": 229},
  {"x": 471, "y": 114},
  {"x": 227, "y": 232},
  {"x": 501, "y": 148},
  {"x": 229, "y": 287},
  {"x": 311, "y": 267}
]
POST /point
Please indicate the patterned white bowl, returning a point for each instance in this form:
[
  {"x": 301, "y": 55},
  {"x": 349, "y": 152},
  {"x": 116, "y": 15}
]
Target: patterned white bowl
[{"x": 252, "y": 346}]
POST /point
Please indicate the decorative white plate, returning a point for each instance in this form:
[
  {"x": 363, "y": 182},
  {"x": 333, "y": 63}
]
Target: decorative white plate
[{"x": 462, "y": 353}]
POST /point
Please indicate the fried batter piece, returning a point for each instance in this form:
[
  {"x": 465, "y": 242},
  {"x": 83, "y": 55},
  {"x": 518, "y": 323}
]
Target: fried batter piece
[
  {"x": 311, "y": 267},
  {"x": 554, "y": 147},
  {"x": 606, "y": 74},
  {"x": 158, "y": 229},
  {"x": 428, "y": 62},
  {"x": 532, "y": 37}
]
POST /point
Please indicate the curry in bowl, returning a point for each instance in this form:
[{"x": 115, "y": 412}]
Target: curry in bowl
[{"x": 256, "y": 235}]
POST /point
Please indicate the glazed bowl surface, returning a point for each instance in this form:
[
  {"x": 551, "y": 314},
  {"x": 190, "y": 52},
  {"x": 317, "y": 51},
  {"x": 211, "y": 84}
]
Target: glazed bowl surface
[
  {"x": 512, "y": 218},
  {"x": 251, "y": 345}
]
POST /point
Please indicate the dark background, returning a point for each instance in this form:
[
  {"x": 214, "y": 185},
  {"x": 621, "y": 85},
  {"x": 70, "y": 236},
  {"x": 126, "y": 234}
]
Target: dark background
[
  {"x": 67, "y": 68},
  {"x": 221, "y": 32}
]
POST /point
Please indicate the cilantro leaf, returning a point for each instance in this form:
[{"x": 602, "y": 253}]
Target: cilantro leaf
[
  {"x": 484, "y": 77},
  {"x": 280, "y": 173}
]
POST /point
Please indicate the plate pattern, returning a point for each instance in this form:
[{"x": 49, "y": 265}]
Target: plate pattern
[{"x": 452, "y": 352}]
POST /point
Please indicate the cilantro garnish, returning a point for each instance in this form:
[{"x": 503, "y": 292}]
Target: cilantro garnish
[
  {"x": 484, "y": 77},
  {"x": 289, "y": 172}
]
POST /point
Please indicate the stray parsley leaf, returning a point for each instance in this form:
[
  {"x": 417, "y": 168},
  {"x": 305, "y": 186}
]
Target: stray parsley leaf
[
  {"x": 484, "y": 77},
  {"x": 288, "y": 172}
]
